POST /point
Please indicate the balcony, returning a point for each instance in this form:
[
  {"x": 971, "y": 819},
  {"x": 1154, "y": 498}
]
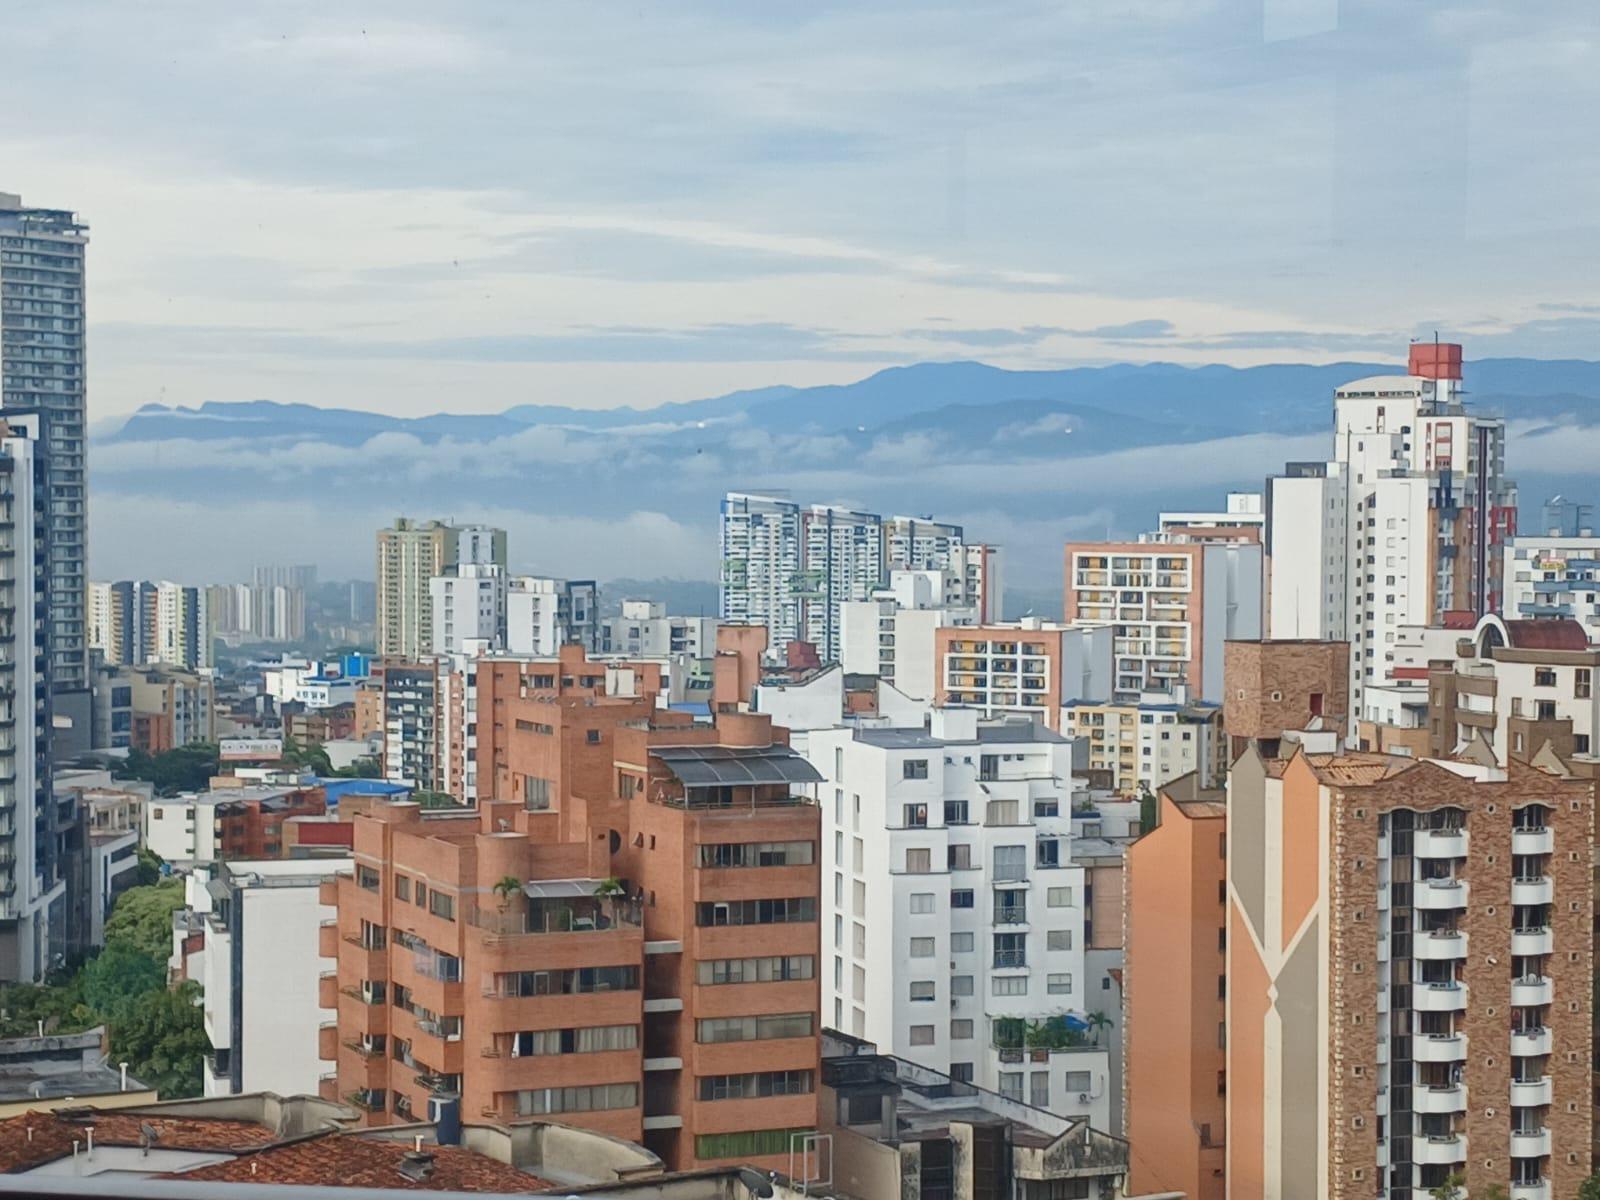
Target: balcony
[
  {"x": 328, "y": 989},
  {"x": 1532, "y": 941},
  {"x": 1536, "y": 890},
  {"x": 1531, "y": 991},
  {"x": 1010, "y": 960},
  {"x": 1532, "y": 1094},
  {"x": 366, "y": 1099},
  {"x": 1440, "y": 894},
  {"x": 1449, "y": 1099},
  {"x": 1439, "y": 997},
  {"x": 328, "y": 1041},
  {"x": 1439, "y": 1048},
  {"x": 1532, "y": 841},
  {"x": 1440, "y": 843},
  {"x": 1530, "y": 1043},
  {"x": 1538, "y": 1190},
  {"x": 579, "y": 910},
  {"x": 1534, "y": 1143},
  {"x": 1439, "y": 1150},
  {"x": 1440, "y": 945}
]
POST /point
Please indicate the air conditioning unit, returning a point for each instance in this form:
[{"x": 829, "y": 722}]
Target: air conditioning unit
[{"x": 1083, "y": 1097}]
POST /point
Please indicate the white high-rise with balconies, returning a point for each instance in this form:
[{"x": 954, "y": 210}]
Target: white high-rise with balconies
[{"x": 953, "y": 913}]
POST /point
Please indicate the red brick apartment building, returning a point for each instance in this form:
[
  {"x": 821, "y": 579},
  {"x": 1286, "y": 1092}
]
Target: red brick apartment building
[{"x": 625, "y": 940}]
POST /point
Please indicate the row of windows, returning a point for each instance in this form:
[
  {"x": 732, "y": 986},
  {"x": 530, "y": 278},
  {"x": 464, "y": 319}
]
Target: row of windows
[
  {"x": 574, "y": 981},
  {"x": 926, "y": 902},
  {"x": 596, "y": 1097},
  {"x": 757, "y": 1085},
  {"x": 756, "y": 970},
  {"x": 754, "y": 1029},
  {"x": 593, "y": 1039},
  {"x": 756, "y": 912},
  {"x": 438, "y": 903},
  {"x": 749, "y": 1143},
  {"x": 758, "y": 854}
]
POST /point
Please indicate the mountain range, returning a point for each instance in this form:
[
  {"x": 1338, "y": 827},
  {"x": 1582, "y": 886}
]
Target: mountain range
[{"x": 1025, "y": 459}]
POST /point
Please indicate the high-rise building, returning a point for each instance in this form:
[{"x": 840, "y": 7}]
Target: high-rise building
[
  {"x": 184, "y": 630},
  {"x": 42, "y": 369},
  {"x": 890, "y": 634},
  {"x": 1242, "y": 520},
  {"x": 544, "y": 614},
  {"x": 410, "y": 554},
  {"x": 1172, "y": 603},
  {"x": 652, "y": 976},
  {"x": 412, "y": 753},
  {"x": 114, "y": 621},
  {"x": 953, "y": 929},
  {"x": 1161, "y": 737},
  {"x": 645, "y": 628},
  {"x": 1028, "y": 667},
  {"x": 1410, "y": 975},
  {"x": 1554, "y": 576},
  {"x": 469, "y": 608},
  {"x": 1402, "y": 525},
  {"x": 790, "y": 568},
  {"x": 761, "y": 565},
  {"x": 32, "y": 880}
]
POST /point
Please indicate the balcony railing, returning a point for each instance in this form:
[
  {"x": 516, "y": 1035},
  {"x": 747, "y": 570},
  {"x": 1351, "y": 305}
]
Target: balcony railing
[{"x": 595, "y": 914}]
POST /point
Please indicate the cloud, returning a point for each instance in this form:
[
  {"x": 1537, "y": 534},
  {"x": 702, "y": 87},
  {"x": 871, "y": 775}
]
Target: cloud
[{"x": 1133, "y": 330}]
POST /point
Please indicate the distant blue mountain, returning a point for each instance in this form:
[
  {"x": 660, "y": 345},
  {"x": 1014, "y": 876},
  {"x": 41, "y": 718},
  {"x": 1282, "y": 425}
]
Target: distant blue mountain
[{"x": 1172, "y": 402}]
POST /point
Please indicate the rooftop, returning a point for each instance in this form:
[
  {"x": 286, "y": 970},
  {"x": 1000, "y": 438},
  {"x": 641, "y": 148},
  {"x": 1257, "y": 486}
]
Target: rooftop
[
  {"x": 1013, "y": 733},
  {"x": 55, "y": 1066},
  {"x": 354, "y": 1160},
  {"x": 735, "y": 766},
  {"x": 34, "y": 1139}
]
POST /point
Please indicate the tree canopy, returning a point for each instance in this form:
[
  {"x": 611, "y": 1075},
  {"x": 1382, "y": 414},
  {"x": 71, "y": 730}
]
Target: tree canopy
[
  {"x": 143, "y": 918},
  {"x": 184, "y": 769}
]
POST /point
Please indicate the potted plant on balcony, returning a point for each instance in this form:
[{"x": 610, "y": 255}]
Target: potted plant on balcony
[
  {"x": 508, "y": 887},
  {"x": 609, "y": 891},
  {"x": 1098, "y": 1023}
]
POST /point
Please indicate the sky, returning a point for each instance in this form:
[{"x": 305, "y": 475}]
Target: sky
[{"x": 414, "y": 208}]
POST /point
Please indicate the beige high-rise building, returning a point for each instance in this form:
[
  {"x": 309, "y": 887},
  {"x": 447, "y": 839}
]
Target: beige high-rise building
[{"x": 410, "y": 553}]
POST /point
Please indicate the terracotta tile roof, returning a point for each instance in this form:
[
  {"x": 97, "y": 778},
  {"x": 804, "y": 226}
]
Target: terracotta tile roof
[
  {"x": 1547, "y": 635},
  {"x": 353, "y": 1160},
  {"x": 1201, "y": 809},
  {"x": 1275, "y": 767},
  {"x": 1356, "y": 768},
  {"x": 53, "y": 1135}
]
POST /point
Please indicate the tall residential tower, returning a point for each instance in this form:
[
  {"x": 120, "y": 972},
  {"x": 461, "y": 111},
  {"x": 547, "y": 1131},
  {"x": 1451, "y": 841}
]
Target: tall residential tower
[{"x": 42, "y": 369}]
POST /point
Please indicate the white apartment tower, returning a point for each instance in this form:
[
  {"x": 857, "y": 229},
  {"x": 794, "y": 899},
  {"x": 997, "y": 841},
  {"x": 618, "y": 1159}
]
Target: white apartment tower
[
  {"x": 954, "y": 913},
  {"x": 410, "y": 554},
  {"x": 32, "y": 908},
  {"x": 469, "y": 606},
  {"x": 790, "y": 568},
  {"x": 1405, "y": 522}
]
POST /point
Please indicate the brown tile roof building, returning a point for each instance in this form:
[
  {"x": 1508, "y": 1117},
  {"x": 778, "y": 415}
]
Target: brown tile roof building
[
  {"x": 36, "y": 1138},
  {"x": 352, "y": 1160}
]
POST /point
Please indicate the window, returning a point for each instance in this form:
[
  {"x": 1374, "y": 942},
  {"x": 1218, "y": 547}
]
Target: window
[
  {"x": 1010, "y": 863},
  {"x": 1011, "y": 1085},
  {"x": 562, "y": 982},
  {"x": 922, "y": 902},
  {"x": 595, "y": 1039},
  {"x": 1049, "y": 852},
  {"x": 958, "y": 856},
  {"x": 922, "y": 990},
  {"x": 756, "y": 1085},
  {"x": 1058, "y": 939},
  {"x": 919, "y": 860},
  {"x": 1544, "y": 677},
  {"x": 1077, "y": 1081},
  {"x": 592, "y": 736},
  {"x": 441, "y": 905},
  {"x": 914, "y": 768},
  {"x": 535, "y": 793},
  {"x": 1008, "y": 985},
  {"x": 961, "y": 985},
  {"x": 750, "y": 1143},
  {"x": 922, "y": 1035},
  {"x": 402, "y": 887},
  {"x": 961, "y": 943},
  {"x": 775, "y": 969},
  {"x": 914, "y": 816},
  {"x": 1010, "y": 950},
  {"x": 922, "y": 947},
  {"x": 788, "y": 911},
  {"x": 595, "y": 1097},
  {"x": 1059, "y": 985},
  {"x": 1059, "y": 897},
  {"x": 366, "y": 878},
  {"x": 955, "y": 812},
  {"x": 960, "y": 1031},
  {"x": 1582, "y": 683},
  {"x": 758, "y": 854},
  {"x": 1046, "y": 808},
  {"x": 752, "y": 1029},
  {"x": 1001, "y": 812},
  {"x": 1039, "y": 1089},
  {"x": 961, "y": 897}
]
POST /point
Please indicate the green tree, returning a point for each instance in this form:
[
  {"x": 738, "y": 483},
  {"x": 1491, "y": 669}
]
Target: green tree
[
  {"x": 163, "y": 1039},
  {"x": 113, "y": 982},
  {"x": 311, "y": 758},
  {"x": 184, "y": 769},
  {"x": 143, "y": 918},
  {"x": 1589, "y": 1189},
  {"x": 1453, "y": 1188},
  {"x": 365, "y": 767},
  {"x": 436, "y": 800},
  {"x": 150, "y": 864},
  {"x": 59, "y": 1006}
]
